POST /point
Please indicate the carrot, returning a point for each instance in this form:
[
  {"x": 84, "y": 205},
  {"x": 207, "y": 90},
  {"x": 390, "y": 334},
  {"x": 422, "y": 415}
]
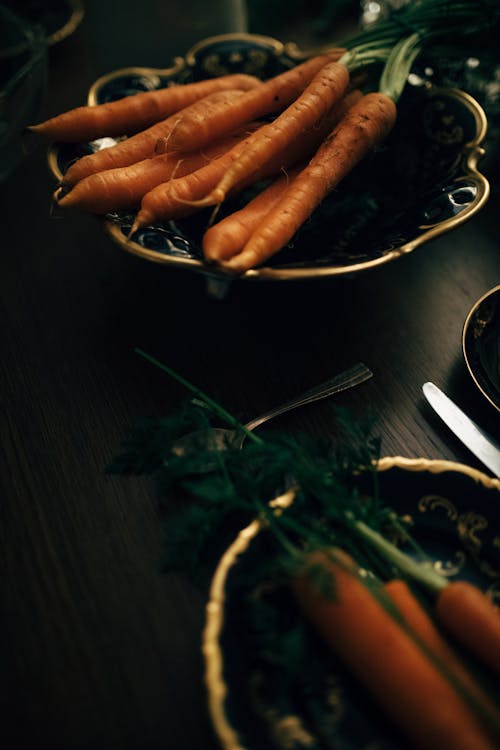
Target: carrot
[
  {"x": 387, "y": 661},
  {"x": 180, "y": 197},
  {"x": 324, "y": 91},
  {"x": 421, "y": 624},
  {"x": 135, "y": 112},
  {"x": 174, "y": 199},
  {"x": 419, "y": 621},
  {"x": 124, "y": 187},
  {"x": 365, "y": 125},
  {"x": 473, "y": 619},
  {"x": 139, "y": 146},
  {"x": 272, "y": 96},
  {"x": 228, "y": 237}
]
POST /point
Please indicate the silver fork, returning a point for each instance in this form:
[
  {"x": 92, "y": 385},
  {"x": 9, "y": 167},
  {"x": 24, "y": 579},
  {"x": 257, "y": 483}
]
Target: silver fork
[{"x": 218, "y": 438}]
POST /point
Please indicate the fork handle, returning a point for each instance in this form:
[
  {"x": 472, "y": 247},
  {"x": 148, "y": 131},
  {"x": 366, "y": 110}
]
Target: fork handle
[{"x": 341, "y": 382}]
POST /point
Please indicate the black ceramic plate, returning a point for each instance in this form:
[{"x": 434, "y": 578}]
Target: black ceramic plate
[
  {"x": 422, "y": 182},
  {"x": 481, "y": 345},
  {"x": 58, "y": 18},
  {"x": 261, "y": 701}
]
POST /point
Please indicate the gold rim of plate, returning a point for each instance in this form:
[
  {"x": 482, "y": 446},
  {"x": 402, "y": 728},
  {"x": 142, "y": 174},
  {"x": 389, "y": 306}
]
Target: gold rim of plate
[
  {"x": 77, "y": 12},
  {"x": 490, "y": 293},
  {"x": 76, "y": 17},
  {"x": 211, "y": 642},
  {"x": 472, "y": 152}
]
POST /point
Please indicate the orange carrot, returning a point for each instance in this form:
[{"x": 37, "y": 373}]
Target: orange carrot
[
  {"x": 124, "y": 187},
  {"x": 365, "y": 125},
  {"x": 174, "y": 199},
  {"x": 421, "y": 624},
  {"x": 324, "y": 91},
  {"x": 139, "y": 146},
  {"x": 473, "y": 619},
  {"x": 179, "y": 197},
  {"x": 135, "y": 112},
  {"x": 227, "y": 237},
  {"x": 387, "y": 661},
  {"x": 272, "y": 96}
]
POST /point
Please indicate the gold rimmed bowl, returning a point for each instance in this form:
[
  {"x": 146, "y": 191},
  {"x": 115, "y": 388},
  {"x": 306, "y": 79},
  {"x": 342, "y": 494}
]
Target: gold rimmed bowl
[
  {"x": 58, "y": 19},
  {"x": 271, "y": 681},
  {"x": 481, "y": 345},
  {"x": 422, "y": 182}
]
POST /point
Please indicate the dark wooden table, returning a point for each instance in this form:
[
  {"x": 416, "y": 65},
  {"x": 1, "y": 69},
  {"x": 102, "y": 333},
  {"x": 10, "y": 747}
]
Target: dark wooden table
[{"x": 99, "y": 648}]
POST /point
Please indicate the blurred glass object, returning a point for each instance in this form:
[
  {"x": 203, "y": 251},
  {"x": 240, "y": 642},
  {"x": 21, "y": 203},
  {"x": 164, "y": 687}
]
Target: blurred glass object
[{"x": 23, "y": 70}]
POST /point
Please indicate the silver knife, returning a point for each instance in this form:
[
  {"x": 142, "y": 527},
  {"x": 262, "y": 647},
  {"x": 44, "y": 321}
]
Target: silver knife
[{"x": 476, "y": 440}]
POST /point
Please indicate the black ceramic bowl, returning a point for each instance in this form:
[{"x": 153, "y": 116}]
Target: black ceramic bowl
[
  {"x": 422, "y": 182},
  {"x": 481, "y": 345},
  {"x": 259, "y": 699}
]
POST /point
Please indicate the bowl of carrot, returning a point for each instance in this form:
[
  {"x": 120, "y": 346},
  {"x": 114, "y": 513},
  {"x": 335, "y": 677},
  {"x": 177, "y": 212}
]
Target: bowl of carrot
[
  {"x": 365, "y": 619},
  {"x": 191, "y": 190}
]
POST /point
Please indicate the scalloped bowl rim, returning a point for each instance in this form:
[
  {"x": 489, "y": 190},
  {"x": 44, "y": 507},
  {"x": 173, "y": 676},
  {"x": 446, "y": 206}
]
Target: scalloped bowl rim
[
  {"x": 211, "y": 646},
  {"x": 472, "y": 151}
]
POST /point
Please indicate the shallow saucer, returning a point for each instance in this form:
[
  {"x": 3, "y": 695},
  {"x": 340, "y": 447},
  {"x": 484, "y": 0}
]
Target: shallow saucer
[{"x": 481, "y": 345}]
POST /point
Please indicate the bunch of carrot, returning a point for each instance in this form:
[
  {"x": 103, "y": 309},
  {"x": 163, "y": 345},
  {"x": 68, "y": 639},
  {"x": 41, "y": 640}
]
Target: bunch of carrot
[
  {"x": 209, "y": 141},
  {"x": 194, "y": 145},
  {"x": 401, "y": 653}
]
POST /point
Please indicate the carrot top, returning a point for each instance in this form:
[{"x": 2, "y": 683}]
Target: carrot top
[{"x": 336, "y": 503}]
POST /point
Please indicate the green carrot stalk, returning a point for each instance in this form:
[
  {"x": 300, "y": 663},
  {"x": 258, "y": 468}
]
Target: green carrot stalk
[{"x": 216, "y": 408}]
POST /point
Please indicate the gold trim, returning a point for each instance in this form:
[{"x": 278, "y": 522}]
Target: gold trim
[
  {"x": 211, "y": 646},
  {"x": 77, "y": 14},
  {"x": 52, "y": 162},
  {"x": 290, "y": 49},
  {"x": 214, "y": 679},
  {"x": 438, "y": 466},
  {"x": 277, "y": 46},
  {"x": 468, "y": 319},
  {"x": 176, "y": 67}
]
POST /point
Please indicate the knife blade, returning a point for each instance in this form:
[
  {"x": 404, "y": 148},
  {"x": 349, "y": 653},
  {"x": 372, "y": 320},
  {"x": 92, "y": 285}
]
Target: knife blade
[{"x": 476, "y": 440}]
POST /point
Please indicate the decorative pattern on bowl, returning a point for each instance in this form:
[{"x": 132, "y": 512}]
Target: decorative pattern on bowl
[
  {"x": 456, "y": 520},
  {"x": 424, "y": 181}
]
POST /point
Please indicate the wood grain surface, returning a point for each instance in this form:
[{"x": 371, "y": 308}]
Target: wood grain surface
[{"x": 99, "y": 648}]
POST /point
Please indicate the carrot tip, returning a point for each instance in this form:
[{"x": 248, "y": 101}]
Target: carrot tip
[
  {"x": 138, "y": 224},
  {"x": 217, "y": 195},
  {"x": 208, "y": 200}
]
